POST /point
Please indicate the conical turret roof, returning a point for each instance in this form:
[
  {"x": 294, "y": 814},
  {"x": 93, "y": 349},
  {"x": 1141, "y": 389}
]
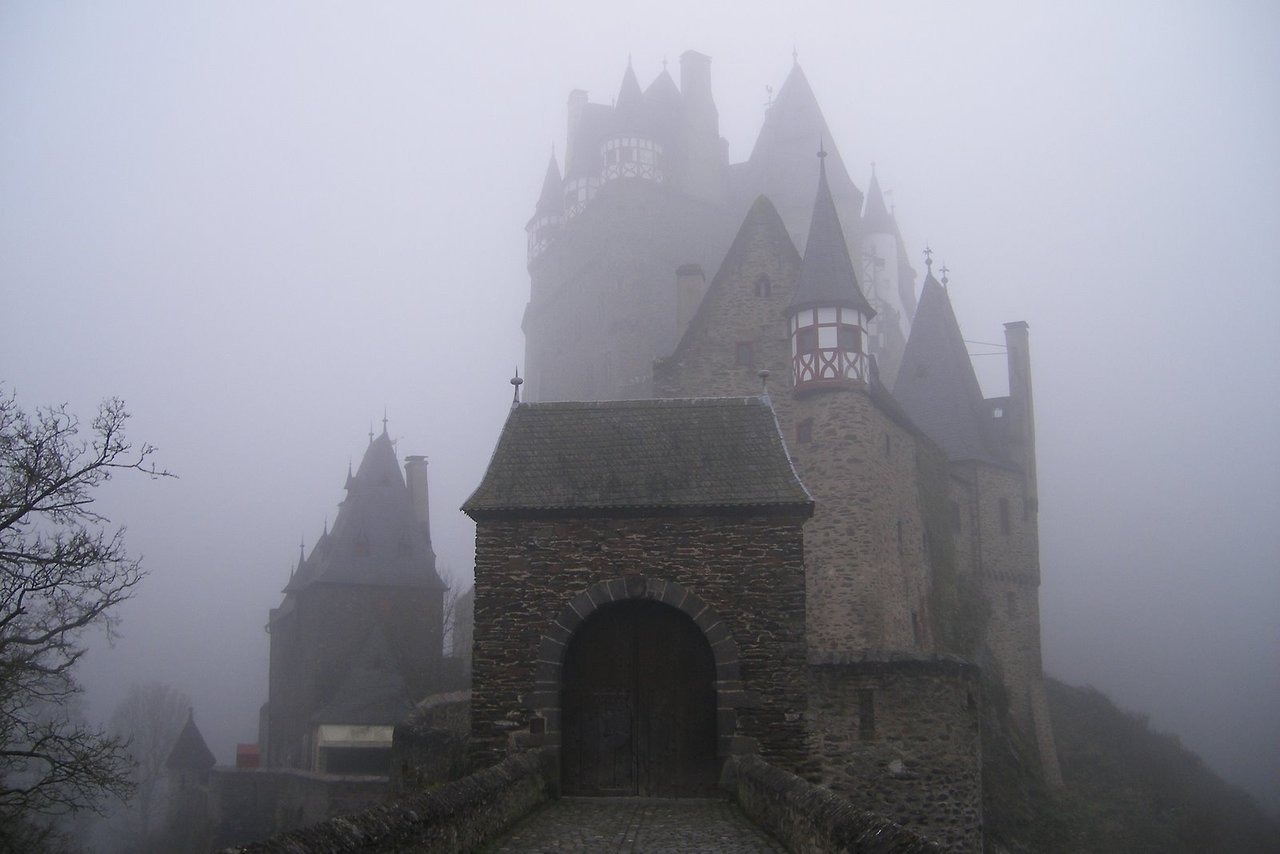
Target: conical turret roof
[
  {"x": 875, "y": 216},
  {"x": 826, "y": 272},
  {"x": 551, "y": 200},
  {"x": 936, "y": 384},
  {"x": 629, "y": 109},
  {"x": 189, "y": 752}
]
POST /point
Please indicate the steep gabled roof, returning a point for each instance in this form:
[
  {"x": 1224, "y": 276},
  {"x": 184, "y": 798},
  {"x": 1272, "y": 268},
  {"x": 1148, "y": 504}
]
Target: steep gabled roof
[
  {"x": 793, "y": 129},
  {"x": 707, "y": 453},
  {"x": 826, "y": 273},
  {"x": 189, "y": 752},
  {"x": 376, "y": 537},
  {"x": 936, "y": 384},
  {"x": 763, "y": 227},
  {"x": 663, "y": 94},
  {"x": 373, "y": 692}
]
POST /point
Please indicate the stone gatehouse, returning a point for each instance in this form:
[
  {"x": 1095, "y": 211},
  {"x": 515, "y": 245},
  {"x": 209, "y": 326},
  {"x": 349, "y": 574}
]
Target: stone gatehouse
[{"x": 640, "y": 594}]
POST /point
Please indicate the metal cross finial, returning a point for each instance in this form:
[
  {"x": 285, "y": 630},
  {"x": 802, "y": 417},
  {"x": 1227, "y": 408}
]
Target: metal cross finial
[
  {"x": 384, "y": 419},
  {"x": 370, "y": 431},
  {"x": 516, "y": 382},
  {"x": 822, "y": 149},
  {"x": 928, "y": 257},
  {"x": 944, "y": 275},
  {"x": 302, "y": 550}
]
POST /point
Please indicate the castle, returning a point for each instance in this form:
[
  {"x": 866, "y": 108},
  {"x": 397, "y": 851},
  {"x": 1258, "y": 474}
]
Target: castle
[
  {"x": 921, "y": 554},
  {"x": 765, "y": 515},
  {"x": 356, "y": 641}
]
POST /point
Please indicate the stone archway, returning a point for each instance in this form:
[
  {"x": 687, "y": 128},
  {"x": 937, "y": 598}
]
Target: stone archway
[
  {"x": 638, "y": 705},
  {"x": 546, "y": 702}
]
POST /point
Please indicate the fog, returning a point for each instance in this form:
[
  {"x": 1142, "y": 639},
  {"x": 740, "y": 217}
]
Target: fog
[{"x": 263, "y": 225}]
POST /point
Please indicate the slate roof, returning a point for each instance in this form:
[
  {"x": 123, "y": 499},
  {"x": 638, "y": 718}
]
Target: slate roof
[
  {"x": 376, "y": 537},
  {"x": 372, "y": 693},
  {"x": 936, "y": 385},
  {"x": 646, "y": 454},
  {"x": 875, "y": 216},
  {"x": 826, "y": 272},
  {"x": 189, "y": 752},
  {"x": 551, "y": 200},
  {"x": 629, "y": 109}
]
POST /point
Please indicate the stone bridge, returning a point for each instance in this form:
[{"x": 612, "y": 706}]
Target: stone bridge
[{"x": 513, "y": 806}]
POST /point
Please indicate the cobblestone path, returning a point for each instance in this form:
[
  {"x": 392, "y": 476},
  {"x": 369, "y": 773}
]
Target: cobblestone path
[{"x": 637, "y": 824}]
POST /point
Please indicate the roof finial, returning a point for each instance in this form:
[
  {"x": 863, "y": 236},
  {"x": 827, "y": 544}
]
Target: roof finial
[
  {"x": 302, "y": 550},
  {"x": 928, "y": 258},
  {"x": 384, "y": 419},
  {"x": 664, "y": 62},
  {"x": 370, "y": 432},
  {"x": 326, "y": 525},
  {"x": 795, "y": 54},
  {"x": 944, "y": 274},
  {"x": 764, "y": 381},
  {"x": 822, "y": 149},
  {"x": 516, "y": 382}
]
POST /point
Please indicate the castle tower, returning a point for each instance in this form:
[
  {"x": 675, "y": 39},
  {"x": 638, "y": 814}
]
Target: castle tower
[
  {"x": 367, "y": 591},
  {"x": 828, "y": 314},
  {"x": 889, "y": 287},
  {"x": 548, "y": 217},
  {"x": 989, "y": 444}
]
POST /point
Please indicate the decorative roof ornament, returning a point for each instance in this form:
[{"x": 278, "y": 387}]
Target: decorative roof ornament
[
  {"x": 944, "y": 275},
  {"x": 928, "y": 258},
  {"x": 516, "y": 382},
  {"x": 764, "y": 381},
  {"x": 384, "y": 419}
]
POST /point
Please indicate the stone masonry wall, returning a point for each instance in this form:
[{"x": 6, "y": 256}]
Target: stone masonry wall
[
  {"x": 864, "y": 547},
  {"x": 1002, "y": 547},
  {"x": 900, "y": 736},
  {"x": 744, "y": 573}
]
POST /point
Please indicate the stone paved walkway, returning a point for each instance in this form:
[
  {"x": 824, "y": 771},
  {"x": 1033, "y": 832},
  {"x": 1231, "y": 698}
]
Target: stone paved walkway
[{"x": 637, "y": 824}]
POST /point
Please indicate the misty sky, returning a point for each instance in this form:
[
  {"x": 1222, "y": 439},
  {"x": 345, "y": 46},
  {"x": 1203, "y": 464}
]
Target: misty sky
[{"x": 263, "y": 223}]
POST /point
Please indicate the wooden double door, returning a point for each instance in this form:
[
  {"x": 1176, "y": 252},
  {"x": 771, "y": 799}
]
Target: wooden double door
[{"x": 638, "y": 707}]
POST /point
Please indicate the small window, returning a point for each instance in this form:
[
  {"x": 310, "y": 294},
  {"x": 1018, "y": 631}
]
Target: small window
[
  {"x": 807, "y": 339},
  {"x": 742, "y": 355},
  {"x": 764, "y": 287},
  {"x": 998, "y": 412},
  {"x": 849, "y": 338},
  {"x": 866, "y": 714},
  {"x": 804, "y": 431},
  {"x": 1004, "y": 515}
]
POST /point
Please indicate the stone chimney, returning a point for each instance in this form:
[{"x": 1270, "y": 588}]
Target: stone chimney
[
  {"x": 1022, "y": 427},
  {"x": 415, "y": 476},
  {"x": 691, "y": 285}
]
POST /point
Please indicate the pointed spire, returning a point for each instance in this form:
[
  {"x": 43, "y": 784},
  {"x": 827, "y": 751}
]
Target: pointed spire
[
  {"x": 516, "y": 382},
  {"x": 629, "y": 107},
  {"x": 384, "y": 421},
  {"x": 826, "y": 271},
  {"x": 551, "y": 199},
  {"x": 876, "y": 218}
]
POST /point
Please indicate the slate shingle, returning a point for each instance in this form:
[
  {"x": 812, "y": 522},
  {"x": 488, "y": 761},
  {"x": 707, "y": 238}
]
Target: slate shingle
[{"x": 652, "y": 454}]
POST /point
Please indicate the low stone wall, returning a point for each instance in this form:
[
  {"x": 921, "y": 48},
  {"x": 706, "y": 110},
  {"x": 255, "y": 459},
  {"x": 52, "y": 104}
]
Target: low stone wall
[
  {"x": 245, "y": 805},
  {"x": 808, "y": 818},
  {"x": 899, "y": 735},
  {"x": 430, "y": 746},
  {"x": 458, "y": 816}
]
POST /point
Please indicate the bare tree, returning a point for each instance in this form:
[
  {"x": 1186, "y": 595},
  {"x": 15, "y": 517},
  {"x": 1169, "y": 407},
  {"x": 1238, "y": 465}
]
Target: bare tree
[
  {"x": 148, "y": 719},
  {"x": 61, "y": 572}
]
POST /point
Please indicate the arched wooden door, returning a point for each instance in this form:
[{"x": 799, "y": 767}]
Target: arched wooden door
[{"x": 638, "y": 705}]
